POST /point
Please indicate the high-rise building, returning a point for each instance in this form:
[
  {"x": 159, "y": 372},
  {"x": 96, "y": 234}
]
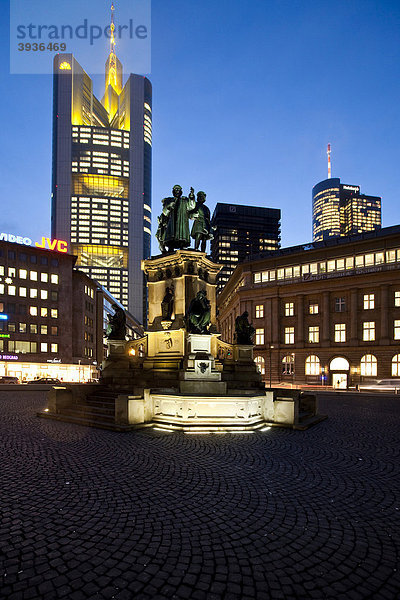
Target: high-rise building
[
  {"x": 101, "y": 184},
  {"x": 242, "y": 231},
  {"x": 339, "y": 209}
]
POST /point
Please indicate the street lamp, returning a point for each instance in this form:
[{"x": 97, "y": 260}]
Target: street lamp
[{"x": 271, "y": 347}]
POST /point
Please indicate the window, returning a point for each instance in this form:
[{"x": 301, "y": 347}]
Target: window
[
  {"x": 33, "y": 275},
  {"x": 11, "y": 328},
  {"x": 396, "y": 327},
  {"x": 259, "y": 311},
  {"x": 12, "y": 290},
  {"x": 313, "y": 309},
  {"x": 369, "y": 331},
  {"x": 54, "y": 330},
  {"x": 289, "y": 335},
  {"x": 53, "y": 278},
  {"x": 54, "y": 313},
  {"x": 33, "y": 311},
  {"x": 21, "y": 347},
  {"x": 396, "y": 365},
  {"x": 313, "y": 335},
  {"x": 369, "y": 365},
  {"x": 33, "y": 293},
  {"x": 54, "y": 347},
  {"x": 44, "y": 277},
  {"x": 288, "y": 364},
  {"x": 43, "y": 329},
  {"x": 54, "y": 296},
  {"x": 260, "y": 362},
  {"x": 22, "y": 292},
  {"x": 369, "y": 301},
  {"x": 259, "y": 337},
  {"x": 340, "y": 304},
  {"x": 33, "y": 259},
  {"x": 340, "y": 332},
  {"x": 22, "y": 327},
  {"x": 312, "y": 365},
  {"x": 44, "y": 260},
  {"x": 23, "y": 273},
  {"x": 33, "y": 328},
  {"x": 43, "y": 311},
  {"x": 43, "y": 294},
  {"x": 43, "y": 346},
  {"x": 289, "y": 309},
  {"x": 397, "y": 298}
]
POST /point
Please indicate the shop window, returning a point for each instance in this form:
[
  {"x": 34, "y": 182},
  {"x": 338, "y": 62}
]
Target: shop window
[
  {"x": 312, "y": 365},
  {"x": 369, "y": 365}
]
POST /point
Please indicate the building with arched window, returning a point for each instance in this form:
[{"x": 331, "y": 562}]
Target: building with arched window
[{"x": 326, "y": 313}]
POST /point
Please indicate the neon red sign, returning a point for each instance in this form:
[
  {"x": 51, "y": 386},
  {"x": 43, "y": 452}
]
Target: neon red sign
[{"x": 50, "y": 244}]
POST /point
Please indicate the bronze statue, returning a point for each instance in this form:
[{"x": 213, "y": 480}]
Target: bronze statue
[
  {"x": 116, "y": 328},
  {"x": 244, "y": 331},
  {"x": 167, "y": 305},
  {"x": 201, "y": 230},
  {"x": 198, "y": 316},
  {"x": 173, "y": 228}
]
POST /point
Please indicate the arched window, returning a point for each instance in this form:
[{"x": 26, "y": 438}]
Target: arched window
[
  {"x": 312, "y": 365},
  {"x": 396, "y": 365},
  {"x": 260, "y": 362},
  {"x": 369, "y": 365},
  {"x": 288, "y": 364}
]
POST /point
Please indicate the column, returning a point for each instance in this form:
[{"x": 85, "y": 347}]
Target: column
[
  {"x": 299, "y": 330},
  {"x": 325, "y": 319},
  {"x": 354, "y": 318},
  {"x": 384, "y": 336}
]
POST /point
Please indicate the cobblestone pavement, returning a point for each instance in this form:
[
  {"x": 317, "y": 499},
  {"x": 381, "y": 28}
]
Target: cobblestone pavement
[{"x": 277, "y": 514}]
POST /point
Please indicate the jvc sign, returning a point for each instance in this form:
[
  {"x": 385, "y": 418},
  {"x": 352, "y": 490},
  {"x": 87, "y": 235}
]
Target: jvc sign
[{"x": 46, "y": 243}]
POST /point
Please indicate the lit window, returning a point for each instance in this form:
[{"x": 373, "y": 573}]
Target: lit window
[
  {"x": 313, "y": 335},
  {"x": 369, "y": 365},
  {"x": 260, "y": 362},
  {"x": 22, "y": 292},
  {"x": 33, "y": 311},
  {"x": 340, "y": 332},
  {"x": 54, "y": 347},
  {"x": 43, "y": 294},
  {"x": 23, "y": 273},
  {"x": 313, "y": 309},
  {"x": 369, "y": 331},
  {"x": 289, "y": 335},
  {"x": 259, "y": 337},
  {"x": 288, "y": 364},
  {"x": 289, "y": 309},
  {"x": 44, "y": 277},
  {"x": 22, "y": 327},
  {"x": 396, "y": 327},
  {"x": 259, "y": 311},
  {"x": 369, "y": 301},
  {"x": 12, "y": 290},
  {"x": 33, "y": 275},
  {"x": 397, "y": 298},
  {"x": 312, "y": 365},
  {"x": 396, "y": 366},
  {"x": 33, "y": 328},
  {"x": 43, "y": 311},
  {"x": 54, "y": 313},
  {"x": 43, "y": 347}
]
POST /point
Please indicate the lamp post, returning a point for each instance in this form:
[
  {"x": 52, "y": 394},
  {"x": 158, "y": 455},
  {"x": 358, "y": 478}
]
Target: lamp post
[{"x": 271, "y": 347}]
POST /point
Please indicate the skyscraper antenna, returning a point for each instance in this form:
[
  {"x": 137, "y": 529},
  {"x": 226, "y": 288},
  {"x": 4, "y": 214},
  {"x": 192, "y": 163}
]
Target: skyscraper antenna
[
  {"x": 329, "y": 161},
  {"x": 112, "y": 28}
]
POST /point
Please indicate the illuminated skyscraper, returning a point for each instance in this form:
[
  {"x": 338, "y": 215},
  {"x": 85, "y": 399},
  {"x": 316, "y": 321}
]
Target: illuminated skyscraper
[
  {"x": 340, "y": 209},
  {"x": 101, "y": 183}
]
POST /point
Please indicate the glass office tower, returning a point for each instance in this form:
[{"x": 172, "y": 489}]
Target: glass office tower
[
  {"x": 339, "y": 209},
  {"x": 101, "y": 184},
  {"x": 242, "y": 231}
]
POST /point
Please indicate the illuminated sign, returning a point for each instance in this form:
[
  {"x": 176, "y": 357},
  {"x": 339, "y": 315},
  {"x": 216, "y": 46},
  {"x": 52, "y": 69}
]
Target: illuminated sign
[
  {"x": 4, "y": 335},
  {"x": 65, "y": 66},
  {"x": 9, "y": 357},
  {"x": 3, "y": 317},
  {"x": 351, "y": 188},
  {"x": 50, "y": 244},
  {"x": 54, "y": 360},
  {"x": 45, "y": 243}
]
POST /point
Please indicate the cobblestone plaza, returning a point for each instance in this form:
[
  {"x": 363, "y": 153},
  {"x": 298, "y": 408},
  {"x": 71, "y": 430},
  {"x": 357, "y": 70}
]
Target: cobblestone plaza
[{"x": 276, "y": 514}]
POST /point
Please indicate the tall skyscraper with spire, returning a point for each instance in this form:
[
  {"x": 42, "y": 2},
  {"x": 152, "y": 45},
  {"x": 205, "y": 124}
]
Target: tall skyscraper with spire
[{"x": 101, "y": 182}]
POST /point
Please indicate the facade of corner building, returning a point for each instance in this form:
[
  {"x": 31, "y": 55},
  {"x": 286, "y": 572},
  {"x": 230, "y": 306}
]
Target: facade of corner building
[
  {"x": 341, "y": 210},
  {"x": 242, "y": 231},
  {"x": 101, "y": 182},
  {"x": 52, "y": 316},
  {"x": 327, "y": 313}
]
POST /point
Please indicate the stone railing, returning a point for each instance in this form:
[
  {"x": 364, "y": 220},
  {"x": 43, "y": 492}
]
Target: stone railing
[{"x": 223, "y": 351}]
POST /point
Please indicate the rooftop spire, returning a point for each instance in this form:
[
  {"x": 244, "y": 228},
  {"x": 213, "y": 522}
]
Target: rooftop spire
[
  {"x": 329, "y": 161},
  {"x": 112, "y": 59}
]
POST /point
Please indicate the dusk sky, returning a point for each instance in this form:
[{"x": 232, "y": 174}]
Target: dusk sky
[{"x": 246, "y": 96}]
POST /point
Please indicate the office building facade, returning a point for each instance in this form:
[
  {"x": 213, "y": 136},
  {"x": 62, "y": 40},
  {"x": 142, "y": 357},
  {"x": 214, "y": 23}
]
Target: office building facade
[
  {"x": 52, "y": 316},
  {"x": 339, "y": 209},
  {"x": 326, "y": 313},
  {"x": 242, "y": 231},
  {"x": 101, "y": 182}
]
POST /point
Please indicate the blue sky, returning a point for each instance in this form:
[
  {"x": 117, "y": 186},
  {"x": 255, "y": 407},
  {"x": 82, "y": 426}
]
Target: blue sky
[{"x": 246, "y": 96}]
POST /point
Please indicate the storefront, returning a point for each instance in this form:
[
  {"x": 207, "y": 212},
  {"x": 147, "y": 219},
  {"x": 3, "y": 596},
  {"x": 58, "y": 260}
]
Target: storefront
[{"x": 11, "y": 365}]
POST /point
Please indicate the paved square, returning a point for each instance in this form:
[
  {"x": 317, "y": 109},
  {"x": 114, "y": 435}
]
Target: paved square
[{"x": 87, "y": 513}]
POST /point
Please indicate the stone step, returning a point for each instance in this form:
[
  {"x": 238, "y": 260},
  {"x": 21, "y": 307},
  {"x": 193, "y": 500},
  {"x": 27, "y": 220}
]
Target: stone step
[
  {"x": 88, "y": 415},
  {"x": 78, "y": 420},
  {"x": 107, "y": 410},
  {"x": 97, "y": 403},
  {"x": 313, "y": 420}
]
